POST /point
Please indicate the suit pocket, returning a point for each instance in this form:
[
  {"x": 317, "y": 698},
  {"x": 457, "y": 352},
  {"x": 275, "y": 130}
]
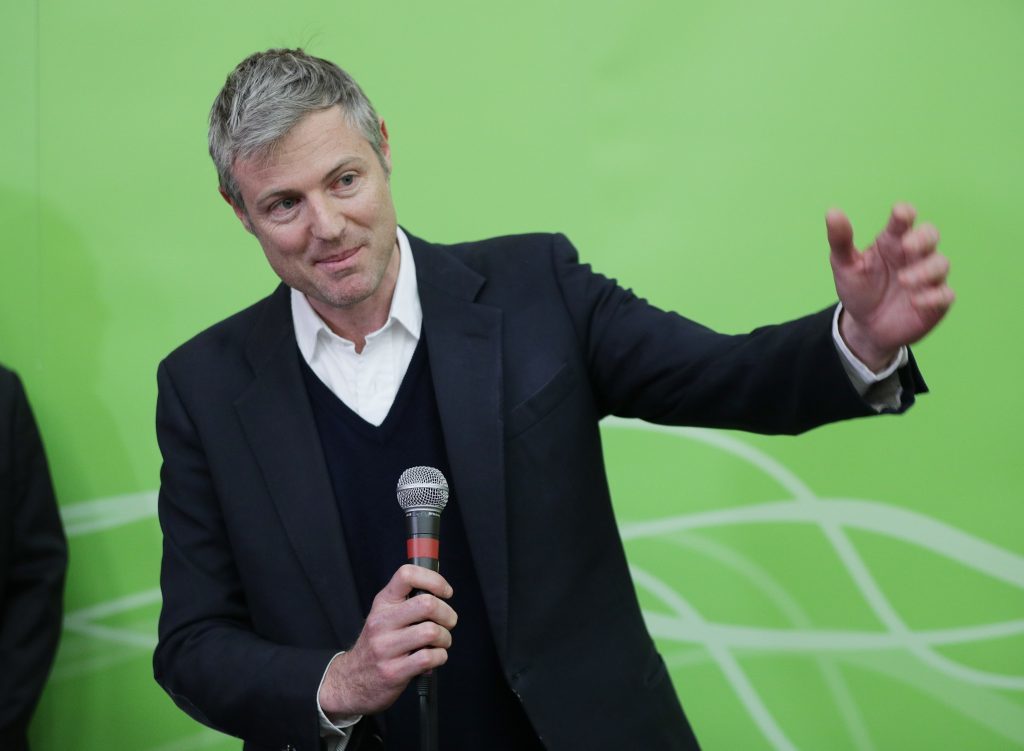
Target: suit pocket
[{"x": 537, "y": 406}]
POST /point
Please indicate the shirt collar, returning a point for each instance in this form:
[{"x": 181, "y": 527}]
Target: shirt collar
[{"x": 405, "y": 306}]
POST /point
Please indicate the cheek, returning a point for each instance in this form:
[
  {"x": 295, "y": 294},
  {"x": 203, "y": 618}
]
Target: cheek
[
  {"x": 283, "y": 241},
  {"x": 373, "y": 208}
]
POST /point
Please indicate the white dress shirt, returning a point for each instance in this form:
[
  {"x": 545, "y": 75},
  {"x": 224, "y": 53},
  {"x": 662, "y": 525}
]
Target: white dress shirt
[{"x": 368, "y": 381}]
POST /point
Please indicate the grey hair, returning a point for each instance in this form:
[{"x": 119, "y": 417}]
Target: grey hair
[{"x": 267, "y": 94}]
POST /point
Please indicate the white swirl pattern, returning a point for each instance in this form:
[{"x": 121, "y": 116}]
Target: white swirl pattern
[
  {"x": 683, "y": 623},
  {"x": 833, "y": 516}
]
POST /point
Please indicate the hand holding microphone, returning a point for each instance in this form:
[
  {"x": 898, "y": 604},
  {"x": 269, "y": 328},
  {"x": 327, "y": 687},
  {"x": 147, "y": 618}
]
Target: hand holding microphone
[
  {"x": 423, "y": 494},
  {"x": 404, "y": 635}
]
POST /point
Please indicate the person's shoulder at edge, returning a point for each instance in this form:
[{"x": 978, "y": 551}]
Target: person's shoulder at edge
[{"x": 8, "y": 379}]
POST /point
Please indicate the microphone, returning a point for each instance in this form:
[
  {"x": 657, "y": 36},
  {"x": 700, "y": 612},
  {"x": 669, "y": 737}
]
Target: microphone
[{"x": 422, "y": 494}]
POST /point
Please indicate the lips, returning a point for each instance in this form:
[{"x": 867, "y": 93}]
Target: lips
[{"x": 337, "y": 260}]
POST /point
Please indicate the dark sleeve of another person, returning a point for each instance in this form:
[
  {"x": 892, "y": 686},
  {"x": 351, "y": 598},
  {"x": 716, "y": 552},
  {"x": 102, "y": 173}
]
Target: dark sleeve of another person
[{"x": 33, "y": 560}]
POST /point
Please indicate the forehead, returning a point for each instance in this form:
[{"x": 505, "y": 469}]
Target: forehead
[{"x": 313, "y": 147}]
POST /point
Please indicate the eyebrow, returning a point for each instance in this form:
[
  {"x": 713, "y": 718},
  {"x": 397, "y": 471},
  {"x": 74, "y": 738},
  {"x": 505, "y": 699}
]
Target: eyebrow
[{"x": 278, "y": 192}]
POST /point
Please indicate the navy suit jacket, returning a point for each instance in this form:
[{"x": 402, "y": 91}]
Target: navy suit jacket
[{"x": 528, "y": 351}]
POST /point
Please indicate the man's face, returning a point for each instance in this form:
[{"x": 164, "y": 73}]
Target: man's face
[{"x": 320, "y": 205}]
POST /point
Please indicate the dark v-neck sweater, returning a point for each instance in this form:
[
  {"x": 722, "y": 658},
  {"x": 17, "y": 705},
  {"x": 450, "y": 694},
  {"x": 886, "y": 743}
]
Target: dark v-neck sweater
[{"x": 476, "y": 708}]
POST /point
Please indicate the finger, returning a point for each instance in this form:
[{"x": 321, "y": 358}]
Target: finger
[
  {"x": 840, "y": 237},
  {"x": 426, "y": 607},
  {"x": 409, "y": 577},
  {"x": 394, "y": 616},
  {"x": 386, "y": 618},
  {"x": 399, "y": 630},
  {"x": 920, "y": 241},
  {"x": 928, "y": 272},
  {"x": 430, "y": 635},
  {"x": 901, "y": 219},
  {"x": 423, "y": 636},
  {"x": 425, "y": 659},
  {"x": 397, "y": 672},
  {"x": 933, "y": 301},
  {"x": 426, "y": 635}
]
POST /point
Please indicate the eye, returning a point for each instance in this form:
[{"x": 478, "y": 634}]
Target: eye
[
  {"x": 346, "y": 180},
  {"x": 283, "y": 205}
]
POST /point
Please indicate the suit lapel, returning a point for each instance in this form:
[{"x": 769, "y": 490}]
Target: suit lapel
[
  {"x": 278, "y": 422},
  {"x": 464, "y": 345}
]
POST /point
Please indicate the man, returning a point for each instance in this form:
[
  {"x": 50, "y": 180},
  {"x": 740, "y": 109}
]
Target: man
[
  {"x": 33, "y": 561},
  {"x": 286, "y": 617}
]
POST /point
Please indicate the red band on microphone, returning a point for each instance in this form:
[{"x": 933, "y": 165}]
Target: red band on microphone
[{"x": 422, "y": 547}]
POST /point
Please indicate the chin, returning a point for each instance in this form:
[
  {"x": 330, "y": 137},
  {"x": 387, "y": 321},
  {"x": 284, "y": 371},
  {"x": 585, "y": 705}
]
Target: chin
[{"x": 345, "y": 298}]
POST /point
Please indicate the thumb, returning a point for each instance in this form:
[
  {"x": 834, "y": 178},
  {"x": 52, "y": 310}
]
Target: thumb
[{"x": 840, "y": 236}]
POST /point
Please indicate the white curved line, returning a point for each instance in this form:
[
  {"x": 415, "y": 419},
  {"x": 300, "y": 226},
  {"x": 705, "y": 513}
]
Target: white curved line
[
  {"x": 835, "y": 682},
  {"x": 874, "y": 516},
  {"x": 882, "y": 608},
  {"x": 832, "y": 515},
  {"x": 730, "y": 667},
  {"x": 821, "y": 640},
  {"x": 83, "y": 620},
  {"x": 93, "y": 662},
  {"x": 973, "y": 552},
  {"x": 890, "y": 521},
  {"x": 106, "y": 513},
  {"x": 122, "y": 636},
  {"x": 117, "y": 605},
  {"x": 994, "y": 710},
  {"x": 769, "y": 465}
]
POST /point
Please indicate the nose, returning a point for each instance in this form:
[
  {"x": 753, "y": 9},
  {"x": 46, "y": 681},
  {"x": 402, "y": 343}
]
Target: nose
[{"x": 327, "y": 221}]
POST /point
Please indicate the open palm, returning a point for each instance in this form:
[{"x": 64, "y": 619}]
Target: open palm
[{"x": 893, "y": 292}]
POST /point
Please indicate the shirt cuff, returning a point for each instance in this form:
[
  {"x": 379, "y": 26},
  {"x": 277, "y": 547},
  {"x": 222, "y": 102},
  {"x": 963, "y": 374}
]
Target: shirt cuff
[
  {"x": 881, "y": 390},
  {"x": 335, "y": 730}
]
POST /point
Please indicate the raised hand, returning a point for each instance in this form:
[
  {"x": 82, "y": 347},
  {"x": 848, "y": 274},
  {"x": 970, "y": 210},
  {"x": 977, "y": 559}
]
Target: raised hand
[
  {"x": 895, "y": 291},
  {"x": 401, "y": 639}
]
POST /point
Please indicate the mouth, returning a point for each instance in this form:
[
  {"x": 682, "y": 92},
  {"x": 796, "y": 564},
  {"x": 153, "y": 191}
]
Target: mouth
[{"x": 338, "y": 260}]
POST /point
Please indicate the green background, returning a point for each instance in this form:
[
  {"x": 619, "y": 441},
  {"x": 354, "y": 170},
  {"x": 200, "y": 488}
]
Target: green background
[{"x": 859, "y": 587}]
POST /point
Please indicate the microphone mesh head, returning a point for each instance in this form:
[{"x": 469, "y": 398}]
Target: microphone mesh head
[{"x": 422, "y": 488}]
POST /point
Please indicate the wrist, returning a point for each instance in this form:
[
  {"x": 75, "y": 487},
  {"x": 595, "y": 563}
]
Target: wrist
[
  {"x": 330, "y": 695},
  {"x": 862, "y": 345}
]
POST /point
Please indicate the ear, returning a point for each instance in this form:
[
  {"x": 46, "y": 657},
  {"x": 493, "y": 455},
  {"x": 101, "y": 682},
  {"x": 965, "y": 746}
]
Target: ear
[
  {"x": 385, "y": 146},
  {"x": 240, "y": 212}
]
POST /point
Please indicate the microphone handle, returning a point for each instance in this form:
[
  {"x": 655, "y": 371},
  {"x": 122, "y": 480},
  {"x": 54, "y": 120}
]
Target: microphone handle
[{"x": 422, "y": 546}]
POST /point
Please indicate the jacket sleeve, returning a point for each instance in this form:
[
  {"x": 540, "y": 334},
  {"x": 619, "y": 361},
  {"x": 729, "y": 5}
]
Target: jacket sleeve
[
  {"x": 662, "y": 367},
  {"x": 209, "y": 659},
  {"x": 34, "y": 561}
]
